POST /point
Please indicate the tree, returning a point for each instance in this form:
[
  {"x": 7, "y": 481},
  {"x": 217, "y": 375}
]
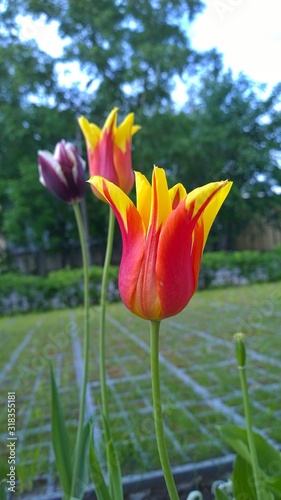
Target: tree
[
  {"x": 130, "y": 49},
  {"x": 227, "y": 131}
]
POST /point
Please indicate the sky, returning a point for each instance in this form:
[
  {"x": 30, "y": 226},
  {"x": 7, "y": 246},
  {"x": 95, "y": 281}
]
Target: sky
[{"x": 246, "y": 32}]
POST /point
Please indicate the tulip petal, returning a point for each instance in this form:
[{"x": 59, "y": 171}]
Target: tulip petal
[
  {"x": 182, "y": 240},
  {"x": 174, "y": 273},
  {"x": 123, "y": 167},
  {"x": 90, "y": 131},
  {"x": 101, "y": 157},
  {"x": 135, "y": 129},
  {"x": 161, "y": 206},
  {"x": 51, "y": 176},
  {"x": 177, "y": 193},
  {"x": 110, "y": 122},
  {"x": 133, "y": 238},
  {"x": 208, "y": 199},
  {"x": 125, "y": 131},
  {"x": 122, "y": 153},
  {"x": 144, "y": 193}
]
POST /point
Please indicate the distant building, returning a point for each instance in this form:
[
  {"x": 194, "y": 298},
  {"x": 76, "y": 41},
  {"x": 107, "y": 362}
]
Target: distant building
[{"x": 261, "y": 237}]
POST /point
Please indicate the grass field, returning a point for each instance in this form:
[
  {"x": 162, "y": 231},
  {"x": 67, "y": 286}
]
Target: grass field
[{"x": 200, "y": 382}]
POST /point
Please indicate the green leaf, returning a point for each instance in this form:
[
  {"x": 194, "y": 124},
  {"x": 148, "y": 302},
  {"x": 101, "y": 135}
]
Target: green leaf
[
  {"x": 273, "y": 483},
  {"x": 81, "y": 480},
  {"x": 97, "y": 475},
  {"x": 269, "y": 458},
  {"x": 114, "y": 470},
  {"x": 236, "y": 437},
  {"x": 220, "y": 495},
  {"x": 242, "y": 478},
  {"x": 60, "y": 439},
  {"x": 3, "y": 492},
  {"x": 267, "y": 455}
]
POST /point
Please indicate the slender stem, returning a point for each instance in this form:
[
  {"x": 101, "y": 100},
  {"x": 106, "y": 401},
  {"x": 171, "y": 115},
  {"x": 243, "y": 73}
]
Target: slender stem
[
  {"x": 108, "y": 253},
  {"x": 86, "y": 343},
  {"x": 259, "y": 485},
  {"x": 157, "y": 409}
]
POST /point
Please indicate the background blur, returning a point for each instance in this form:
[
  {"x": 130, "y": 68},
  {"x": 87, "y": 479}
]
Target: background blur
[{"x": 175, "y": 64}]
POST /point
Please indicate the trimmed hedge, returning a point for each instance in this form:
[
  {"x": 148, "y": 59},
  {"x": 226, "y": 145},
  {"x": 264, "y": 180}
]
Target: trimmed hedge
[
  {"x": 64, "y": 288},
  {"x": 239, "y": 268}
]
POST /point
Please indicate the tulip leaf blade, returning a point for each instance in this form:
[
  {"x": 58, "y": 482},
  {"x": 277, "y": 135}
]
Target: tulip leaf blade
[
  {"x": 114, "y": 470},
  {"x": 60, "y": 438},
  {"x": 81, "y": 480},
  {"x": 242, "y": 479},
  {"x": 97, "y": 474}
]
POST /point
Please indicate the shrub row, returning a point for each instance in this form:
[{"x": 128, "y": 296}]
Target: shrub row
[
  {"x": 239, "y": 268},
  {"x": 64, "y": 288}
]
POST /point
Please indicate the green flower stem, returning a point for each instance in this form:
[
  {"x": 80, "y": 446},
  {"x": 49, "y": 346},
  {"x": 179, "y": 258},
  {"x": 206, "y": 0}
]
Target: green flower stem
[
  {"x": 86, "y": 342},
  {"x": 259, "y": 485},
  {"x": 157, "y": 409},
  {"x": 108, "y": 253}
]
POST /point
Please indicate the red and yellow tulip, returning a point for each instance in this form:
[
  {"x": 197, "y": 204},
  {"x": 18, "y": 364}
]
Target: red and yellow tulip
[
  {"x": 109, "y": 150},
  {"x": 163, "y": 240}
]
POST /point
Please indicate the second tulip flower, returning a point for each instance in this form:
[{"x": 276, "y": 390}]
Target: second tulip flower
[{"x": 109, "y": 150}]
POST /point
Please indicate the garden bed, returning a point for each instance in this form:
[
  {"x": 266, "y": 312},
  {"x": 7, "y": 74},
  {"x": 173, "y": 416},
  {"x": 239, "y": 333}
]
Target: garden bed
[{"x": 199, "y": 380}]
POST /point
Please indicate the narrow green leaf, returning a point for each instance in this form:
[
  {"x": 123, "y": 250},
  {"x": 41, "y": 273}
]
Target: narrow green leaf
[
  {"x": 3, "y": 492},
  {"x": 60, "y": 439},
  {"x": 114, "y": 472},
  {"x": 243, "y": 479},
  {"x": 82, "y": 478},
  {"x": 220, "y": 495},
  {"x": 97, "y": 475}
]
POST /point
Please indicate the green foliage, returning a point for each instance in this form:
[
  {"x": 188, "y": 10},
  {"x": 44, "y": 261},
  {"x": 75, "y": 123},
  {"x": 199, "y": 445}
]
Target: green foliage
[
  {"x": 269, "y": 461},
  {"x": 97, "y": 475},
  {"x": 220, "y": 495},
  {"x": 80, "y": 482},
  {"x": 226, "y": 268},
  {"x": 64, "y": 288},
  {"x": 59, "y": 289},
  {"x": 131, "y": 52},
  {"x": 227, "y": 130},
  {"x": 60, "y": 439},
  {"x": 243, "y": 479},
  {"x": 114, "y": 471},
  {"x": 3, "y": 495}
]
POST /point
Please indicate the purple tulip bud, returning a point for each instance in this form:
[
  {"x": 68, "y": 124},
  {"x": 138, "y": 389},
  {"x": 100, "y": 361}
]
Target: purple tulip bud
[{"x": 63, "y": 173}]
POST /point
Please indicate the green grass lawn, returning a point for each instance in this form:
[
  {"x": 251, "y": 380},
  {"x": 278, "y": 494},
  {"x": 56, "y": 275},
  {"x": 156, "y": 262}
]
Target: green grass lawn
[{"x": 200, "y": 382}]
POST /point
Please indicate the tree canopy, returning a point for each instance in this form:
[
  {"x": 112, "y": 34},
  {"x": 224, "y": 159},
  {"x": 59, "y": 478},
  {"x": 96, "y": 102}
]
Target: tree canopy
[{"x": 131, "y": 52}]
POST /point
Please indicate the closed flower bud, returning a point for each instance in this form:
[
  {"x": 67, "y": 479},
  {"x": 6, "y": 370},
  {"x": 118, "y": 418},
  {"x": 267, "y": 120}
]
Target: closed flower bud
[
  {"x": 240, "y": 349},
  {"x": 63, "y": 173}
]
